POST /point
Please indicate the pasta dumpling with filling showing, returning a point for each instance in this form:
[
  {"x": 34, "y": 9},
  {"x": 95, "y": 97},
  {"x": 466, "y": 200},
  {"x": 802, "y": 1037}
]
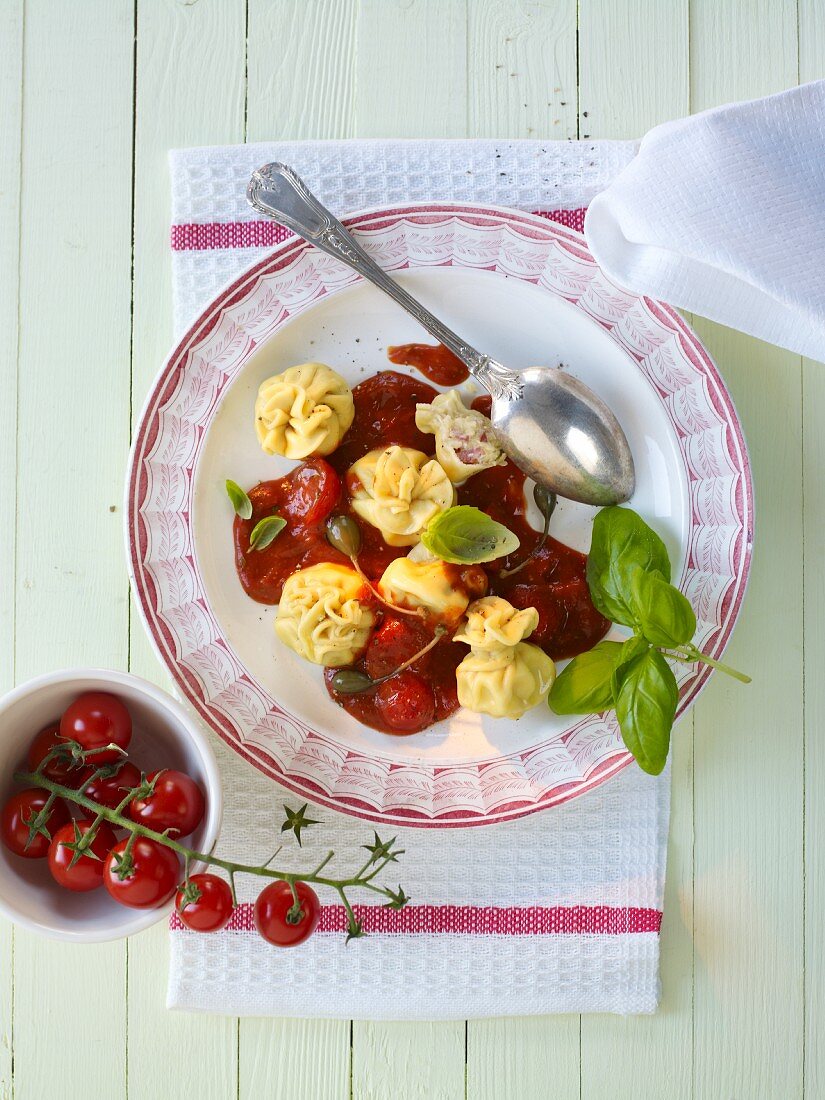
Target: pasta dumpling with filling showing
[
  {"x": 502, "y": 675},
  {"x": 442, "y": 590},
  {"x": 465, "y": 440},
  {"x": 399, "y": 490},
  {"x": 304, "y": 411},
  {"x": 322, "y": 617}
]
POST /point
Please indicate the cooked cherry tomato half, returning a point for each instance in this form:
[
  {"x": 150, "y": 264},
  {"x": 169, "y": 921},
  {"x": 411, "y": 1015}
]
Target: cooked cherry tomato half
[
  {"x": 20, "y": 808},
  {"x": 60, "y": 769},
  {"x": 211, "y": 911},
  {"x": 176, "y": 803},
  {"x": 87, "y": 872},
  {"x": 110, "y": 790},
  {"x": 406, "y": 702},
  {"x": 274, "y": 917},
  {"x": 311, "y": 492},
  {"x": 97, "y": 719},
  {"x": 152, "y": 880}
]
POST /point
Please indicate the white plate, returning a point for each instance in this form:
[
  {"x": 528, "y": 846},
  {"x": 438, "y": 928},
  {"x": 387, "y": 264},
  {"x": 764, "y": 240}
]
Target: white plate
[{"x": 524, "y": 290}]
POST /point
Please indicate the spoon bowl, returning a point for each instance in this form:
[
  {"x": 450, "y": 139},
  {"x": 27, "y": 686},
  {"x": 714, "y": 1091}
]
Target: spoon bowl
[{"x": 552, "y": 426}]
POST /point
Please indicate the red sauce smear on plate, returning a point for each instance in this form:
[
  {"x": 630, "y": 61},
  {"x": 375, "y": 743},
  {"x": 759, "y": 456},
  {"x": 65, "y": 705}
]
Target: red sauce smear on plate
[
  {"x": 553, "y": 582},
  {"x": 433, "y": 360}
]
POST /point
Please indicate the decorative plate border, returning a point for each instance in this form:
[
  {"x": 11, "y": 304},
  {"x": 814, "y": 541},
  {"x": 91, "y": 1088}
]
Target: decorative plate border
[{"x": 169, "y": 590}]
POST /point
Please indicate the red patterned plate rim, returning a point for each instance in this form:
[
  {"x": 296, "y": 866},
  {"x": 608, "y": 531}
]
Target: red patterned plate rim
[{"x": 530, "y": 227}]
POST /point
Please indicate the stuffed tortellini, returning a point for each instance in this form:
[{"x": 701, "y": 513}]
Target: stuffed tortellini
[
  {"x": 493, "y": 622},
  {"x": 505, "y": 682},
  {"x": 431, "y": 585},
  {"x": 465, "y": 440},
  {"x": 399, "y": 490},
  {"x": 304, "y": 411},
  {"x": 321, "y": 616}
]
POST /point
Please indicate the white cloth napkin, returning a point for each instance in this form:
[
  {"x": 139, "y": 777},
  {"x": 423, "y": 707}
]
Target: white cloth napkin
[
  {"x": 724, "y": 214},
  {"x": 557, "y": 912}
]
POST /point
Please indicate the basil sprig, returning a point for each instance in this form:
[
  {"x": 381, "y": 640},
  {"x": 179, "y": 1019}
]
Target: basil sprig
[
  {"x": 465, "y": 535},
  {"x": 628, "y": 574},
  {"x": 240, "y": 501},
  {"x": 265, "y": 531}
]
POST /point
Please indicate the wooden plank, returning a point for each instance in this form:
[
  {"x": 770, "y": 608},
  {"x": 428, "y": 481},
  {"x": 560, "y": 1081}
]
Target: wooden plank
[
  {"x": 633, "y": 58},
  {"x": 749, "y": 788},
  {"x": 521, "y": 69},
  {"x": 411, "y": 69},
  {"x": 188, "y": 93},
  {"x": 11, "y": 85},
  {"x": 521, "y": 1057},
  {"x": 73, "y": 370},
  {"x": 812, "y": 67},
  {"x": 301, "y": 57},
  {"x": 633, "y": 66},
  {"x": 301, "y": 69},
  {"x": 410, "y": 82},
  {"x": 313, "y": 1056},
  {"x": 403, "y": 1061}
]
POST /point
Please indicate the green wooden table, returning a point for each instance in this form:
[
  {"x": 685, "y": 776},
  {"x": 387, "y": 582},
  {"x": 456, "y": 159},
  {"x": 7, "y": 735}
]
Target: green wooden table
[{"x": 92, "y": 94}]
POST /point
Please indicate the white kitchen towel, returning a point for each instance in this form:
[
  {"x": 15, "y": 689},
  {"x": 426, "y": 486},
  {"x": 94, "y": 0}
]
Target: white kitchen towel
[
  {"x": 724, "y": 214},
  {"x": 557, "y": 912}
]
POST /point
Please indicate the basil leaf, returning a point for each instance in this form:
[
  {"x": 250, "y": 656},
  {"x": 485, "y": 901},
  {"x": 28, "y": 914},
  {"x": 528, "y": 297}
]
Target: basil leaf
[
  {"x": 621, "y": 542},
  {"x": 265, "y": 531},
  {"x": 240, "y": 501},
  {"x": 584, "y": 686},
  {"x": 646, "y": 698},
  {"x": 663, "y": 614},
  {"x": 465, "y": 535}
]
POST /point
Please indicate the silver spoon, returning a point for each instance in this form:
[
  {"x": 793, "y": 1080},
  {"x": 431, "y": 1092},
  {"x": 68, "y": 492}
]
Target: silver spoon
[{"x": 552, "y": 426}]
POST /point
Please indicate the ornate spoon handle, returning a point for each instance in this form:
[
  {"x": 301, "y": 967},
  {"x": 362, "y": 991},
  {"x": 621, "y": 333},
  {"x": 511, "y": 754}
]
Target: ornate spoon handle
[{"x": 276, "y": 191}]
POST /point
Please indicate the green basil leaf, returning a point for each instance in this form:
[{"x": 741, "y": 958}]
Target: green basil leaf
[
  {"x": 265, "y": 531},
  {"x": 631, "y": 649},
  {"x": 240, "y": 501},
  {"x": 584, "y": 686},
  {"x": 663, "y": 614},
  {"x": 465, "y": 535},
  {"x": 646, "y": 699},
  {"x": 621, "y": 542}
]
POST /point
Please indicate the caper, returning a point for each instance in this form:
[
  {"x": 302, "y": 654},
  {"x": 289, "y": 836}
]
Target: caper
[
  {"x": 545, "y": 500},
  {"x": 349, "y": 681},
  {"x": 344, "y": 534}
]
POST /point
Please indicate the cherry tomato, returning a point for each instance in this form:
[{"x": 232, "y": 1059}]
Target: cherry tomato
[
  {"x": 110, "y": 790},
  {"x": 273, "y": 906},
  {"x": 97, "y": 719},
  {"x": 60, "y": 769},
  {"x": 395, "y": 641},
  {"x": 212, "y": 910},
  {"x": 87, "y": 873},
  {"x": 176, "y": 803},
  {"x": 152, "y": 880},
  {"x": 406, "y": 702},
  {"x": 311, "y": 491},
  {"x": 19, "y": 809}
]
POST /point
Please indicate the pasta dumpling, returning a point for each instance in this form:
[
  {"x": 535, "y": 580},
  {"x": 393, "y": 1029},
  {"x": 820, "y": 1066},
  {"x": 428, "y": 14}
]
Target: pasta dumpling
[
  {"x": 321, "y": 617},
  {"x": 465, "y": 440},
  {"x": 427, "y": 584},
  {"x": 399, "y": 490},
  {"x": 304, "y": 411},
  {"x": 505, "y": 682},
  {"x": 493, "y": 622}
]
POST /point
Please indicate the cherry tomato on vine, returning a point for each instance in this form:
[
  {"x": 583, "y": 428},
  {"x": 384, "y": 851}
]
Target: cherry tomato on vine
[
  {"x": 97, "y": 719},
  {"x": 59, "y": 769},
  {"x": 273, "y": 913},
  {"x": 211, "y": 910},
  {"x": 110, "y": 790},
  {"x": 152, "y": 879},
  {"x": 406, "y": 702},
  {"x": 87, "y": 872},
  {"x": 20, "y": 808},
  {"x": 176, "y": 803},
  {"x": 312, "y": 491}
]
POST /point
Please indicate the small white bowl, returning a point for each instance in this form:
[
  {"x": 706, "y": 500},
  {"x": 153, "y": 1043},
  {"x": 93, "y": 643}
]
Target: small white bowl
[{"x": 164, "y": 736}]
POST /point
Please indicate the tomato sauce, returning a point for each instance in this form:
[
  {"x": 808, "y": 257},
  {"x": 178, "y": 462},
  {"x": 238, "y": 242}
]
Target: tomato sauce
[
  {"x": 433, "y": 360},
  {"x": 553, "y": 581}
]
